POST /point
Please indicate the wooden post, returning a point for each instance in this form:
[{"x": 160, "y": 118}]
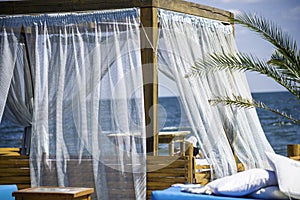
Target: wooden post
[
  {"x": 191, "y": 163},
  {"x": 149, "y": 36},
  {"x": 293, "y": 150}
]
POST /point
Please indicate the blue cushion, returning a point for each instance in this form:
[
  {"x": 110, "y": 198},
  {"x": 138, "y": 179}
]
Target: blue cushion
[
  {"x": 175, "y": 193},
  {"x": 6, "y": 192}
]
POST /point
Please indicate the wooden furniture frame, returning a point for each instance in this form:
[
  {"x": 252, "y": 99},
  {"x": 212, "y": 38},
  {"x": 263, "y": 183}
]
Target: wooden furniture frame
[
  {"x": 149, "y": 19},
  {"x": 14, "y": 168},
  {"x": 51, "y": 193},
  {"x": 171, "y": 137}
]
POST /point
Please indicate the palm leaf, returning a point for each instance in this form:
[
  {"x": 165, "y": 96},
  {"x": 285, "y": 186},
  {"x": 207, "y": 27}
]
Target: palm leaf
[
  {"x": 283, "y": 66},
  {"x": 240, "y": 102},
  {"x": 272, "y": 33},
  {"x": 244, "y": 62}
]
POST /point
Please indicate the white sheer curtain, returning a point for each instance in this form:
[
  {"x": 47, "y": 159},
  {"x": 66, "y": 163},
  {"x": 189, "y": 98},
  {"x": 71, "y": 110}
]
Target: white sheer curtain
[
  {"x": 184, "y": 40},
  {"x": 19, "y": 104},
  {"x": 88, "y": 124},
  {"x": 8, "y": 58}
]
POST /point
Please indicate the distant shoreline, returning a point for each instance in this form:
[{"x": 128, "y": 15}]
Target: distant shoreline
[{"x": 267, "y": 92}]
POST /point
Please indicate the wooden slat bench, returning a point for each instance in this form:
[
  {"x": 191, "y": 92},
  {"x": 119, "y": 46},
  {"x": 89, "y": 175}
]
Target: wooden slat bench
[
  {"x": 14, "y": 168},
  {"x": 164, "y": 171}
]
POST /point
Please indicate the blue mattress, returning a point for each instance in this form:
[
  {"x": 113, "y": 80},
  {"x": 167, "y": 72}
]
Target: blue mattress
[
  {"x": 175, "y": 193},
  {"x": 6, "y": 192}
]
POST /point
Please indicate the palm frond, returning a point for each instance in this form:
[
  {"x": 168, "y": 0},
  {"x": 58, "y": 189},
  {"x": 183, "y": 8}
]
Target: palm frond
[
  {"x": 240, "y": 102},
  {"x": 244, "y": 62},
  {"x": 283, "y": 66},
  {"x": 286, "y": 67},
  {"x": 272, "y": 33}
]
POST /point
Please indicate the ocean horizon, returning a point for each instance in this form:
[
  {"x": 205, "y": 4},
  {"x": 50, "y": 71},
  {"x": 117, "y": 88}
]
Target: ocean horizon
[{"x": 279, "y": 131}]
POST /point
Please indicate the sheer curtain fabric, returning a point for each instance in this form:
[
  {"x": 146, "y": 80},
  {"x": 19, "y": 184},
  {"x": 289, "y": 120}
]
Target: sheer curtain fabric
[
  {"x": 76, "y": 78},
  {"x": 221, "y": 131},
  {"x": 88, "y": 116}
]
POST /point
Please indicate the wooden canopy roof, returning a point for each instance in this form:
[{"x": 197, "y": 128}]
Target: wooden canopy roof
[{"x": 50, "y": 6}]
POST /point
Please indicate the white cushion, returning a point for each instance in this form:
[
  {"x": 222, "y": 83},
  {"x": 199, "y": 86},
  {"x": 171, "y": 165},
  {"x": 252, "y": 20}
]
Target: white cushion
[
  {"x": 288, "y": 174},
  {"x": 271, "y": 192},
  {"x": 243, "y": 183}
]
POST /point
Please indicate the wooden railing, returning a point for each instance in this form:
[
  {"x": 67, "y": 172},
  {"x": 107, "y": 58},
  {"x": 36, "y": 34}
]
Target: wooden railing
[
  {"x": 162, "y": 171},
  {"x": 14, "y": 168}
]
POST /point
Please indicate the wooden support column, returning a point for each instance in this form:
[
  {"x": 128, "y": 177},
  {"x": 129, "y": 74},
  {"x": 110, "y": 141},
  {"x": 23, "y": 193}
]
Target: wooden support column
[{"x": 149, "y": 36}]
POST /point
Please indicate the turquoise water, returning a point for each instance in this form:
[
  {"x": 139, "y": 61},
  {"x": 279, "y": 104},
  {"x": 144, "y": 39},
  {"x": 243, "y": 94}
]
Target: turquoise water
[{"x": 278, "y": 130}]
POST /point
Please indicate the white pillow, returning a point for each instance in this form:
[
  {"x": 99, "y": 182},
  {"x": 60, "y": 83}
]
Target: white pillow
[
  {"x": 288, "y": 174},
  {"x": 243, "y": 183},
  {"x": 271, "y": 192}
]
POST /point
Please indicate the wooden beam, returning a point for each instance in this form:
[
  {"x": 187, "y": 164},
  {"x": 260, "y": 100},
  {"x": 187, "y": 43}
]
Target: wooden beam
[
  {"x": 50, "y": 6},
  {"x": 194, "y": 9},
  {"x": 149, "y": 36}
]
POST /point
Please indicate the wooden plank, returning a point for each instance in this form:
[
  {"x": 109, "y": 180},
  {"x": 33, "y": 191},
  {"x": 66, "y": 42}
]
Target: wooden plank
[
  {"x": 14, "y": 161},
  {"x": 164, "y": 159},
  {"x": 293, "y": 150},
  {"x": 202, "y": 175},
  {"x": 14, "y": 172},
  {"x": 15, "y": 180},
  {"x": 2, "y": 157},
  {"x": 168, "y": 169},
  {"x": 166, "y": 174},
  {"x": 195, "y": 9},
  {"x": 202, "y": 181},
  {"x": 199, "y": 167},
  {"x": 190, "y": 163},
  {"x": 23, "y": 186},
  {"x": 9, "y": 149},
  {"x": 175, "y": 164},
  {"x": 50, "y": 6},
  {"x": 297, "y": 158},
  {"x": 171, "y": 181},
  {"x": 158, "y": 185}
]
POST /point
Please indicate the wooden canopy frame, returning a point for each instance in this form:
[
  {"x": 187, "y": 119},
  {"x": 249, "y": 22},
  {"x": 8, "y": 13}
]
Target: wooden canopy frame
[{"x": 149, "y": 19}]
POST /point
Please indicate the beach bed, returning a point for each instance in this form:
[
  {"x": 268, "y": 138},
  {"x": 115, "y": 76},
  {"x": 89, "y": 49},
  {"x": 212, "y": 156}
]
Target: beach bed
[{"x": 175, "y": 193}]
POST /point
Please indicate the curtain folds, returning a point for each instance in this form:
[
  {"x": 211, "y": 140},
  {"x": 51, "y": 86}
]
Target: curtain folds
[
  {"x": 8, "y": 59},
  {"x": 76, "y": 79},
  {"x": 221, "y": 131},
  {"x": 87, "y": 113}
]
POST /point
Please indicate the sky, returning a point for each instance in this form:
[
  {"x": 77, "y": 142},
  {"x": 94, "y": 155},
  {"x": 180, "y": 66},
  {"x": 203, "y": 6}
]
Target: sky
[{"x": 284, "y": 13}]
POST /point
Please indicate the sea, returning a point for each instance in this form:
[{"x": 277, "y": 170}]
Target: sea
[{"x": 279, "y": 131}]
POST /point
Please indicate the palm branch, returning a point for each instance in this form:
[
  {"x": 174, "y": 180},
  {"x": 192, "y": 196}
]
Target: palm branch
[
  {"x": 283, "y": 66},
  {"x": 240, "y": 102},
  {"x": 244, "y": 62}
]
